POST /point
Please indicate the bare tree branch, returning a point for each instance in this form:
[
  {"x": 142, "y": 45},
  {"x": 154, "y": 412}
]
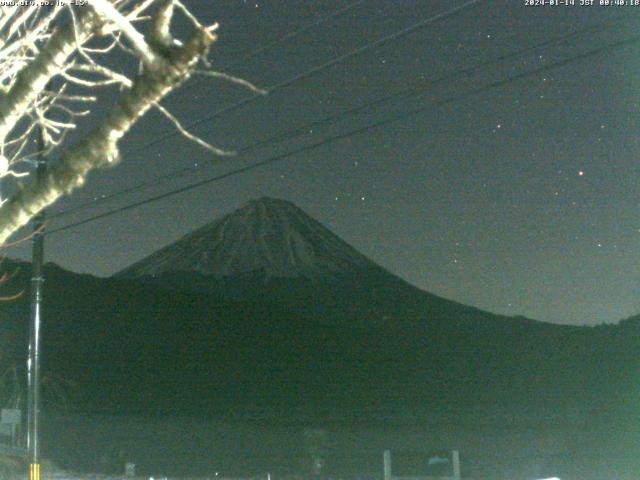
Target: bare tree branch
[
  {"x": 100, "y": 147},
  {"x": 51, "y": 65},
  {"x": 107, "y": 11},
  {"x": 230, "y": 78},
  {"x": 32, "y": 80},
  {"x": 190, "y": 136}
]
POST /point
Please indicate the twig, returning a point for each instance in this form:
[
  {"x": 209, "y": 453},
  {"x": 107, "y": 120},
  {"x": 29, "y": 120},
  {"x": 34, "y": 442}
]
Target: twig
[
  {"x": 184, "y": 132},
  {"x": 232, "y": 79}
]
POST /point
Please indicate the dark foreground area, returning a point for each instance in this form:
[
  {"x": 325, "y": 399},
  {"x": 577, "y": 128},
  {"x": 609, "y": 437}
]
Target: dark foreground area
[
  {"x": 491, "y": 447},
  {"x": 184, "y": 383}
]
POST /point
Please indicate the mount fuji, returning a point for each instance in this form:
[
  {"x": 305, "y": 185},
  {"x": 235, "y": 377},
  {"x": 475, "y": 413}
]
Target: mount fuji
[
  {"x": 268, "y": 237},
  {"x": 264, "y": 317},
  {"x": 265, "y": 314},
  {"x": 271, "y": 251}
]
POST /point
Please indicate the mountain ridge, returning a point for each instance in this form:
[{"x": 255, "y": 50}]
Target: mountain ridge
[
  {"x": 320, "y": 339},
  {"x": 269, "y": 235},
  {"x": 254, "y": 253},
  {"x": 360, "y": 347}
]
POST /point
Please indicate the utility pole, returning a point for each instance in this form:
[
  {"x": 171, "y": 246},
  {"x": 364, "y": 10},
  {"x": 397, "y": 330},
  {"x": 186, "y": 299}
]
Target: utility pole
[{"x": 33, "y": 363}]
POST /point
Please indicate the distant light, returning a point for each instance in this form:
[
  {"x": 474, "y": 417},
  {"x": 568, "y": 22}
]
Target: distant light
[
  {"x": 581, "y": 173},
  {"x": 552, "y": 478}
]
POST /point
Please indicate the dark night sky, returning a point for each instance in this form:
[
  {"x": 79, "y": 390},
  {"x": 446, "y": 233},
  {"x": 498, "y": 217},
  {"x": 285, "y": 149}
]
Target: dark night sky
[{"x": 521, "y": 199}]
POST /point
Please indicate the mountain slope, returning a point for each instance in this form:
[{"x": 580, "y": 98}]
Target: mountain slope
[
  {"x": 328, "y": 330},
  {"x": 266, "y": 306},
  {"x": 266, "y": 316},
  {"x": 270, "y": 251},
  {"x": 133, "y": 347},
  {"x": 274, "y": 256},
  {"x": 129, "y": 347},
  {"x": 267, "y": 236}
]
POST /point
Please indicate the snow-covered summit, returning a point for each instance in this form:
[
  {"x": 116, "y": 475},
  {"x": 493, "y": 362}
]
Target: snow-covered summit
[{"x": 268, "y": 236}]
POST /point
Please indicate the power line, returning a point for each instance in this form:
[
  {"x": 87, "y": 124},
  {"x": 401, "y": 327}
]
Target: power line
[
  {"x": 289, "y": 36},
  {"x": 366, "y": 128},
  {"x": 301, "y": 30},
  {"x": 331, "y": 119},
  {"x": 308, "y": 73},
  {"x": 374, "y": 125},
  {"x": 314, "y": 70},
  {"x": 335, "y": 14}
]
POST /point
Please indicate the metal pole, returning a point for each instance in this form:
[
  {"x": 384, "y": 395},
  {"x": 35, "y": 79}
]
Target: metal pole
[
  {"x": 386, "y": 460},
  {"x": 455, "y": 457},
  {"x": 33, "y": 363}
]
